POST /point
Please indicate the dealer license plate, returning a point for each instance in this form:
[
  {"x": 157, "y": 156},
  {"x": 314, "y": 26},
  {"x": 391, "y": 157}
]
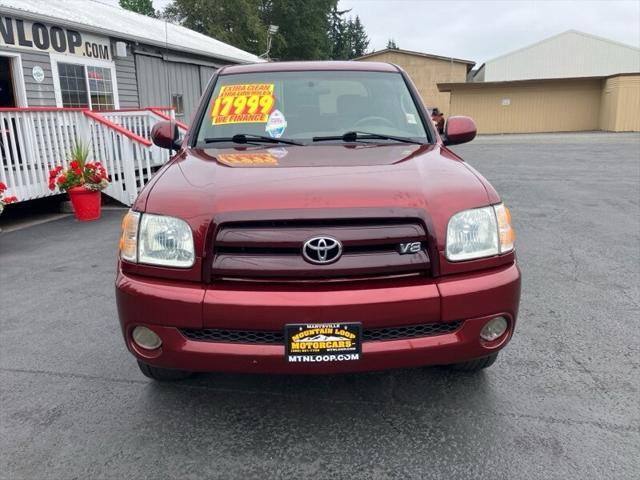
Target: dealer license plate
[{"x": 323, "y": 342}]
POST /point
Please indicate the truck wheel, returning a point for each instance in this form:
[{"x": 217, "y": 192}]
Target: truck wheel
[
  {"x": 163, "y": 374},
  {"x": 476, "y": 364}
]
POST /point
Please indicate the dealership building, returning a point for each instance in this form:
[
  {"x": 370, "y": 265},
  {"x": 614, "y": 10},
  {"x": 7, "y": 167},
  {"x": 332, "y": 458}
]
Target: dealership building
[
  {"x": 82, "y": 53},
  {"x": 81, "y": 70}
]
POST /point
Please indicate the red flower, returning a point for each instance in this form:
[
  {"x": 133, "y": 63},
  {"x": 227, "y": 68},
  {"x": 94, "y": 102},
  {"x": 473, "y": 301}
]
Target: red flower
[
  {"x": 61, "y": 179},
  {"x": 74, "y": 165},
  {"x": 3, "y": 187},
  {"x": 9, "y": 200}
]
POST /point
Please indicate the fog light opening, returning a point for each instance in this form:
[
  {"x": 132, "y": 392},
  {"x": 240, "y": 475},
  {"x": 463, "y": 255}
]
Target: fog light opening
[
  {"x": 146, "y": 338},
  {"x": 494, "y": 329}
]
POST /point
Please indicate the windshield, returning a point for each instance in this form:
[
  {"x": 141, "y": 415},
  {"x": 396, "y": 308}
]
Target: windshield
[{"x": 303, "y": 105}]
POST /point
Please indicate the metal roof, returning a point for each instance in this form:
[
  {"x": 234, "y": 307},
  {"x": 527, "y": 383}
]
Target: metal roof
[
  {"x": 113, "y": 21},
  {"x": 448, "y": 87},
  {"x": 568, "y": 54},
  {"x": 417, "y": 54}
]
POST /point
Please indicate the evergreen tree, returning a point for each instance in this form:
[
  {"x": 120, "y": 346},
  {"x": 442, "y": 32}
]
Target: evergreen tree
[
  {"x": 392, "y": 44},
  {"x": 338, "y": 35},
  {"x": 307, "y": 29},
  {"x": 359, "y": 39},
  {"x": 304, "y": 27},
  {"x": 145, "y": 7},
  {"x": 236, "y": 22}
]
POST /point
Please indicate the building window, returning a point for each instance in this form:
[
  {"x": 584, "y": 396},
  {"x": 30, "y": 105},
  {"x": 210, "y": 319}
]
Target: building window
[
  {"x": 86, "y": 86},
  {"x": 177, "y": 103},
  {"x": 101, "y": 88},
  {"x": 73, "y": 85}
]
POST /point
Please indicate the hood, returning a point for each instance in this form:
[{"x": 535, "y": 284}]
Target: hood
[{"x": 201, "y": 184}]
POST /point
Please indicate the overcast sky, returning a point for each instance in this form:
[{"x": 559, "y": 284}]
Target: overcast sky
[{"x": 480, "y": 30}]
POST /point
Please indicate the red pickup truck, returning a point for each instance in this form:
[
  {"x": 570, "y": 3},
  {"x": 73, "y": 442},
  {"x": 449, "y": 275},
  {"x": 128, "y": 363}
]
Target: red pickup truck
[{"x": 313, "y": 221}]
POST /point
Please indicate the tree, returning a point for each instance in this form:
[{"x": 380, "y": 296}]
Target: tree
[
  {"x": 358, "y": 37},
  {"x": 307, "y": 29},
  {"x": 236, "y": 22},
  {"x": 303, "y": 28},
  {"x": 392, "y": 44},
  {"x": 348, "y": 37},
  {"x": 338, "y": 34},
  {"x": 145, "y": 7}
]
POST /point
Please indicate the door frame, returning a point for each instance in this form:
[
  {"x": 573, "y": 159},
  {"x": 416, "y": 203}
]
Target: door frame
[{"x": 17, "y": 74}]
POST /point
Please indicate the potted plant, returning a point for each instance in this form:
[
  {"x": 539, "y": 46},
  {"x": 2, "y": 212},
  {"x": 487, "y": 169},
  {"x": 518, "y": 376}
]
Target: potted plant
[
  {"x": 5, "y": 200},
  {"x": 83, "y": 181}
]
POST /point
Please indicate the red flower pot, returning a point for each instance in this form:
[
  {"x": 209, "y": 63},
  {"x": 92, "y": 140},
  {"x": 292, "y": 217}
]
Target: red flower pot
[{"x": 86, "y": 203}]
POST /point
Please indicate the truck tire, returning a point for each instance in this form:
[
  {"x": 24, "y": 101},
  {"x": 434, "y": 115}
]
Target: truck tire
[
  {"x": 475, "y": 364},
  {"x": 162, "y": 374}
]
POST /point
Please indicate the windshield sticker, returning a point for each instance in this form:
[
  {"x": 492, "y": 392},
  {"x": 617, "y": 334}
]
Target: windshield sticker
[
  {"x": 248, "y": 159},
  {"x": 276, "y": 124},
  {"x": 246, "y": 103},
  {"x": 411, "y": 118}
]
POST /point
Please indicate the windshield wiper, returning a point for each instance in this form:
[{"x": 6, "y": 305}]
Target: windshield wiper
[
  {"x": 358, "y": 135},
  {"x": 247, "y": 138}
]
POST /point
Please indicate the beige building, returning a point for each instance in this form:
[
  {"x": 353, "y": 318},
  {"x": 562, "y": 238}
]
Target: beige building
[
  {"x": 550, "y": 105},
  {"x": 426, "y": 71}
]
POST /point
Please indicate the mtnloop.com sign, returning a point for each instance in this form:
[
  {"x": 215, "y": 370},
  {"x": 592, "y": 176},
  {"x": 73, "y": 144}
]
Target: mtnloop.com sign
[{"x": 18, "y": 33}]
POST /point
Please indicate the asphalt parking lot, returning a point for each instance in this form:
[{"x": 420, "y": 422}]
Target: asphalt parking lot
[{"x": 561, "y": 402}]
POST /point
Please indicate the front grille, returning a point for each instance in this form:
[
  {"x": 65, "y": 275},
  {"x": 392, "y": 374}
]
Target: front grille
[
  {"x": 234, "y": 336},
  {"x": 277, "y": 337},
  {"x": 273, "y": 249}
]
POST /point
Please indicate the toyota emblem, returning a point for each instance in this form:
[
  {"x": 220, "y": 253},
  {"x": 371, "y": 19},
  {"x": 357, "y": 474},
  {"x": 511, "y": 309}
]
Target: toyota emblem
[{"x": 322, "y": 250}]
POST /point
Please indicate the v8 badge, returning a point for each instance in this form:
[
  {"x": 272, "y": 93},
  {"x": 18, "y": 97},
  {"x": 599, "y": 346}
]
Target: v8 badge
[{"x": 411, "y": 247}]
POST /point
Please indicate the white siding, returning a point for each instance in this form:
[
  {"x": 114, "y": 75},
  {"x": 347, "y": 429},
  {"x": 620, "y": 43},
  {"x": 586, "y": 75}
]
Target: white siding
[{"x": 570, "y": 54}]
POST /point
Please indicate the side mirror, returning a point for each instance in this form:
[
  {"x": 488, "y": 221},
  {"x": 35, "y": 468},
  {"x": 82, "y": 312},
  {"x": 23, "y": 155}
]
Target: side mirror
[
  {"x": 459, "y": 130},
  {"x": 165, "y": 135}
]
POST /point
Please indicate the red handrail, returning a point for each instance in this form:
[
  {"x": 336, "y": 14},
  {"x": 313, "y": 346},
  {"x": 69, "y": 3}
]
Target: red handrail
[
  {"x": 117, "y": 128},
  {"x": 183, "y": 126}
]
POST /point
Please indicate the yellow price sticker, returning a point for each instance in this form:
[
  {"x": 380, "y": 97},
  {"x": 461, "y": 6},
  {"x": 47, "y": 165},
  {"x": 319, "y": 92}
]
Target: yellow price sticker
[
  {"x": 248, "y": 159},
  {"x": 246, "y": 103}
]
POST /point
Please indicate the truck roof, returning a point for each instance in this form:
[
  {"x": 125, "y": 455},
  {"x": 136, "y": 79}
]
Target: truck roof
[{"x": 310, "y": 66}]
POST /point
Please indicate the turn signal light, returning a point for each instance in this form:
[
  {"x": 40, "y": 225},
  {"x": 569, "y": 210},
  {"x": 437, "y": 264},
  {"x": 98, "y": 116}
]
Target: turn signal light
[
  {"x": 129, "y": 236},
  {"x": 506, "y": 233}
]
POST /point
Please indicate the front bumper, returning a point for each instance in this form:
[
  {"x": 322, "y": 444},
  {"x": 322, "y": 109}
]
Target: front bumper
[{"x": 167, "y": 306}]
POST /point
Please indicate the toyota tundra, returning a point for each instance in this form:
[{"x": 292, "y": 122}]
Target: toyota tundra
[{"x": 312, "y": 220}]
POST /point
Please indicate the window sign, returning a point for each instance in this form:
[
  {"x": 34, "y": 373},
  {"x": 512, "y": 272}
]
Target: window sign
[{"x": 25, "y": 34}]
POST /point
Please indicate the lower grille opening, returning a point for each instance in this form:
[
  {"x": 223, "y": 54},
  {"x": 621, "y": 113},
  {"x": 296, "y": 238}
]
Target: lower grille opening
[{"x": 262, "y": 337}]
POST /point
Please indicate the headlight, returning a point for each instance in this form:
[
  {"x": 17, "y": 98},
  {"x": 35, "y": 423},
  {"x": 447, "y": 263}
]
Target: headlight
[
  {"x": 480, "y": 232},
  {"x": 156, "y": 240}
]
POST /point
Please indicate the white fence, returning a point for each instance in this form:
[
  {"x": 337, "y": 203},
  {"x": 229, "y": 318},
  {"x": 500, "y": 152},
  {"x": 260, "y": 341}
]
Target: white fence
[{"x": 34, "y": 140}]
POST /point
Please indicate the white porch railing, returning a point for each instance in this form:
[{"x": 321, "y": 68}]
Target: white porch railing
[{"x": 34, "y": 140}]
